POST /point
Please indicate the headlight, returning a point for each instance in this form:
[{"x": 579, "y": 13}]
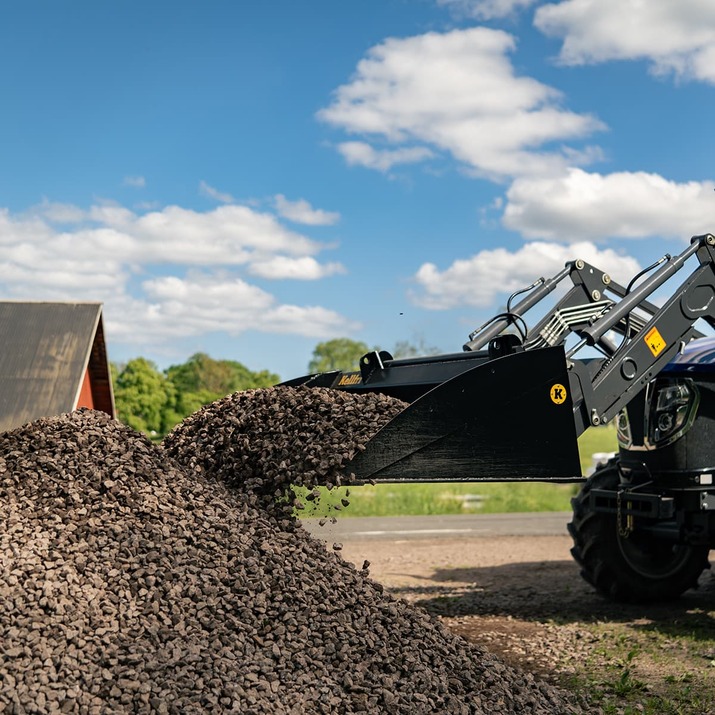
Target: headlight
[{"x": 672, "y": 405}]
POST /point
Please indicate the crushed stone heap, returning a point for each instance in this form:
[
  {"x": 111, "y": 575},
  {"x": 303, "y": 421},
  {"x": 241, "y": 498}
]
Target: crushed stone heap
[
  {"x": 129, "y": 583},
  {"x": 265, "y": 440}
]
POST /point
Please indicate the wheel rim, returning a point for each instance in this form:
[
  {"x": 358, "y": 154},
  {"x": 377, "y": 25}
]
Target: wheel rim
[{"x": 651, "y": 558}]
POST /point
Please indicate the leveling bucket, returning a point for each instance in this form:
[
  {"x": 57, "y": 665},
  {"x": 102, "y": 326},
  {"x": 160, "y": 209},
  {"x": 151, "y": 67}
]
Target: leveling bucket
[{"x": 508, "y": 419}]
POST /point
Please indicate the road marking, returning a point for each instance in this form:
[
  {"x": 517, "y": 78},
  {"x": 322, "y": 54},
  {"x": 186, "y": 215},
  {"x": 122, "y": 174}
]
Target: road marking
[{"x": 405, "y": 532}]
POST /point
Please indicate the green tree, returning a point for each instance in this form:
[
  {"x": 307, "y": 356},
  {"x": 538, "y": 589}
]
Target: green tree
[
  {"x": 152, "y": 402},
  {"x": 141, "y": 394},
  {"x": 337, "y": 354},
  {"x": 201, "y": 380},
  {"x": 201, "y": 372},
  {"x": 407, "y": 349}
]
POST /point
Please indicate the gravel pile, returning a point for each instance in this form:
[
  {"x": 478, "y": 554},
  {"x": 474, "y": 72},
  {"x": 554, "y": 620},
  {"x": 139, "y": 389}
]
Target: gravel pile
[
  {"x": 129, "y": 583},
  {"x": 263, "y": 441}
]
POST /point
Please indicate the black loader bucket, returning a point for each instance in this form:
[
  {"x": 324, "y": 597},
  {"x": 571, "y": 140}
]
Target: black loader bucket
[{"x": 510, "y": 418}]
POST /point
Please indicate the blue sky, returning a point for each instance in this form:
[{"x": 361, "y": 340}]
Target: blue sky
[{"x": 248, "y": 179}]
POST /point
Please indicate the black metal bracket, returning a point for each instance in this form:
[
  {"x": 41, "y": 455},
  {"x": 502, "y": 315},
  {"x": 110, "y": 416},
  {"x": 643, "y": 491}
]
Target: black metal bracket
[
  {"x": 652, "y": 506},
  {"x": 370, "y": 362},
  {"x": 505, "y": 345}
]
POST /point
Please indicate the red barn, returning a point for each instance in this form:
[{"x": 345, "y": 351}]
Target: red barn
[{"x": 53, "y": 359}]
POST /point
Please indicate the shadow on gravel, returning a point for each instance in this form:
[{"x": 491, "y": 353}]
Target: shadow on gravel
[{"x": 554, "y": 591}]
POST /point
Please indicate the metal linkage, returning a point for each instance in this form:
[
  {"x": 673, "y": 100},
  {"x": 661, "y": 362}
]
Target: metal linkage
[
  {"x": 650, "y": 335},
  {"x": 481, "y": 336},
  {"x": 584, "y": 304},
  {"x": 563, "y": 321},
  {"x": 645, "y": 352}
]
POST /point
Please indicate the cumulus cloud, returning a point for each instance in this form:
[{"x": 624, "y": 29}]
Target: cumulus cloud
[
  {"x": 485, "y": 9},
  {"x": 165, "y": 274},
  {"x": 479, "y": 280},
  {"x": 579, "y": 205},
  {"x": 59, "y": 212},
  {"x": 304, "y": 268},
  {"x": 675, "y": 37},
  {"x": 301, "y": 211},
  {"x": 226, "y": 235},
  {"x": 200, "y": 303},
  {"x": 363, "y": 154},
  {"x": 457, "y": 92}
]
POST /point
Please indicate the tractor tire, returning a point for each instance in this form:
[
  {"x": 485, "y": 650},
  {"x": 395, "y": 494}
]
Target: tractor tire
[{"x": 634, "y": 568}]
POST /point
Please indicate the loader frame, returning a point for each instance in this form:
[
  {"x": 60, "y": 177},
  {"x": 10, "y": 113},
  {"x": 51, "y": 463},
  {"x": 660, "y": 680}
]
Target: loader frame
[
  {"x": 511, "y": 406},
  {"x": 447, "y": 434}
]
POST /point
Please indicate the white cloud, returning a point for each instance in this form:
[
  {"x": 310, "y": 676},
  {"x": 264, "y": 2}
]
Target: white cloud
[
  {"x": 226, "y": 235},
  {"x": 59, "y": 213},
  {"x": 580, "y": 205},
  {"x": 202, "y": 303},
  {"x": 303, "y": 268},
  {"x": 145, "y": 268},
  {"x": 137, "y": 182},
  {"x": 485, "y": 9},
  {"x": 363, "y": 154},
  {"x": 675, "y": 37},
  {"x": 458, "y": 92},
  {"x": 479, "y": 280},
  {"x": 215, "y": 194},
  {"x": 309, "y": 321},
  {"x": 34, "y": 263},
  {"x": 301, "y": 211}
]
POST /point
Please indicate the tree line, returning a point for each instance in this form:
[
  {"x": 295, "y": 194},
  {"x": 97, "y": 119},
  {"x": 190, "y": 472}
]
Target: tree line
[{"x": 154, "y": 401}]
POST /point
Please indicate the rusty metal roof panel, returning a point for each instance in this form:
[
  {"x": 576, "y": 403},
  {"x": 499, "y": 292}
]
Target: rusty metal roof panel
[{"x": 45, "y": 351}]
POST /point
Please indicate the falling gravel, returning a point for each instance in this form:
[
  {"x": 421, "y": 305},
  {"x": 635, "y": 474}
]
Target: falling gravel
[
  {"x": 140, "y": 579},
  {"x": 263, "y": 441}
]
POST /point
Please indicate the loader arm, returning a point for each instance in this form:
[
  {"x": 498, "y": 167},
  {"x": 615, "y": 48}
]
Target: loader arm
[
  {"x": 641, "y": 357},
  {"x": 511, "y": 406}
]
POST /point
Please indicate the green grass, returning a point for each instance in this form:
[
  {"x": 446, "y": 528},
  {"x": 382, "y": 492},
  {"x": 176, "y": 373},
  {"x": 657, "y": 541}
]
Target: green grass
[
  {"x": 595, "y": 440},
  {"x": 460, "y": 498},
  {"x": 649, "y": 668}
]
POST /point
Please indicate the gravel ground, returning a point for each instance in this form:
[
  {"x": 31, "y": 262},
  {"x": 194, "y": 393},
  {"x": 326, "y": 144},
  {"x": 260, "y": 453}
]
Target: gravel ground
[
  {"x": 501, "y": 591},
  {"x": 523, "y": 598}
]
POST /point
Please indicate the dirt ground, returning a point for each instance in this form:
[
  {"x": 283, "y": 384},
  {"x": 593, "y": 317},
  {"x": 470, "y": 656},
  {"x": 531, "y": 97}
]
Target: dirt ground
[{"x": 523, "y": 597}]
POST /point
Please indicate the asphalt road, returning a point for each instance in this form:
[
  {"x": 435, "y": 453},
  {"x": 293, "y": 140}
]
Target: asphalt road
[{"x": 402, "y": 528}]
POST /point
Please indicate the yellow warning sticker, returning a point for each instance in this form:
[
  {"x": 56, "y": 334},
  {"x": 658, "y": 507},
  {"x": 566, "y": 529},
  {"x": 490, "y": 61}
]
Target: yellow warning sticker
[
  {"x": 654, "y": 341},
  {"x": 558, "y": 394}
]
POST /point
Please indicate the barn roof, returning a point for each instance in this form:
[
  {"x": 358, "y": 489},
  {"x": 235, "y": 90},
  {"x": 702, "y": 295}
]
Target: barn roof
[{"x": 47, "y": 352}]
